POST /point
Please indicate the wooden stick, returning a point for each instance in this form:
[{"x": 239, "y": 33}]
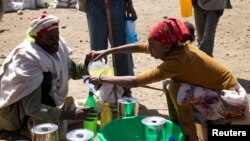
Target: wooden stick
[
  {"x": 107, "y": 6},
  {"x": 149, "y": 87},
  {"x": 109, "y": 22},
  {"x": 110, "y": 33}
]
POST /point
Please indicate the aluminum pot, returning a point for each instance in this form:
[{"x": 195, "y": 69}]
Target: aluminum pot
[
  {"x": 127, "y": 107},
  {"x": 154, "y": 128},
  {"x": 45, "y": 132},
  {"x": 80, "y": 135}
]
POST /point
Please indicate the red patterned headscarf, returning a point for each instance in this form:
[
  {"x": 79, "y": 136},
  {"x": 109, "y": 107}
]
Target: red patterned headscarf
[
  {"x": 169, "y": 31},
  {"x": 40, "y": 25}
]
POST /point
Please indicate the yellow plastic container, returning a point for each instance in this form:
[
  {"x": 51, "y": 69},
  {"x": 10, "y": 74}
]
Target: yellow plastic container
[
  {"x": 186, "y": 8},
  {"x": 99, "y": 67},
  {"x": 106, "y": 114}
]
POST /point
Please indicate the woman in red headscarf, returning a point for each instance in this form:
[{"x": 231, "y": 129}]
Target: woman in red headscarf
[{"x": 197, "y": 79}]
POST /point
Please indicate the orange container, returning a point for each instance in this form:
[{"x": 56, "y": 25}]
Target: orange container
[{"x": 186, "y": 8}]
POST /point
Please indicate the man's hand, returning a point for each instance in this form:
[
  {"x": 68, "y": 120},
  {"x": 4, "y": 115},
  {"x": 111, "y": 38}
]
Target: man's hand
[
  {"x": 79, "y": 114},
  {"x": 85, "y": 113}
]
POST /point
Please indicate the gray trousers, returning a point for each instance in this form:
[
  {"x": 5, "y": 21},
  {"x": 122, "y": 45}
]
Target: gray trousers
[
  {"x": 206, "y": 22},
  {"x": 98, "y": 31}
]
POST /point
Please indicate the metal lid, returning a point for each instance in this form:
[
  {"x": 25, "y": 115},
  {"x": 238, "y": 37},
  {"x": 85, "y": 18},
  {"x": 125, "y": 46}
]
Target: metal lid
[
  {"x": 153, "y": 121},
  {"x": 79, "y": 135},
  {"x": 127, "y": 100},
  {"x": 44, "y": 128}
]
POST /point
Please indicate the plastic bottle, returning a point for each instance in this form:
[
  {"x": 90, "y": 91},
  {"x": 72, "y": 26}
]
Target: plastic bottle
[
  {"x": 171, "y": 138},
  {"x": 131, "y": 35},
  {"x": 106, "y": 114},
  {"x": 186, "y": 8},
  {"x": 91, "y": 102},
  {"x": 100, "y": 67}
]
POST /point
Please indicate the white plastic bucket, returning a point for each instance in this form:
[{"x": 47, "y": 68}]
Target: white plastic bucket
[{"x": 29, "y": 4}]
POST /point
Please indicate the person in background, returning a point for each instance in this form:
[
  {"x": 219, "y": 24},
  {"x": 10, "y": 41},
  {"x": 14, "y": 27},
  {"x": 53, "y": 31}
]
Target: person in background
[
  {"x": 34, "y": 81},
  {"x": 3, "y": 4},
  {"x": 98, "y": 31},
  {"x": 206, "y": 15},
  {"x": 197, "y": 80}
]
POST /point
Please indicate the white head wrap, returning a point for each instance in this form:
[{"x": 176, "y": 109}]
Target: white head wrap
[{"x": 42, "y": 24}]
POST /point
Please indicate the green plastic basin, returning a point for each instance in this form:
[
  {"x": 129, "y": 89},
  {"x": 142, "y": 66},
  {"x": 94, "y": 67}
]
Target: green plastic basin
[{"x": 132, "y": 129}]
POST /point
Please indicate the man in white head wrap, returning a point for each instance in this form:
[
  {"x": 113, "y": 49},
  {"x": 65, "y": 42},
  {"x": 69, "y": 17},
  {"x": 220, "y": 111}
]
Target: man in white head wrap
[
  {"x": 34, "y": 79},
  {"x": 40, "y": 25}
]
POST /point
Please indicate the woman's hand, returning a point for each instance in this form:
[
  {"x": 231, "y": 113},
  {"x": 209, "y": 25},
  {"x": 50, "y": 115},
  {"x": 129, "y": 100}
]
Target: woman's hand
[
  {"x": 124, "y": 81},
  {"x": 87, "y": 59},
  {"x": 94, "y": 56},
  {"x": 97, "y": 55},
  {"x": 95, "y": 80}
]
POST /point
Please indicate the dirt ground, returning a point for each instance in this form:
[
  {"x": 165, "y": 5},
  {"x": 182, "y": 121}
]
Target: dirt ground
[{"x": 232, "y": 45}]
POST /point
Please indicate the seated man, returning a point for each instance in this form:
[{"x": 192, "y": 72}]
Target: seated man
[{"x": 34, "y": 80}]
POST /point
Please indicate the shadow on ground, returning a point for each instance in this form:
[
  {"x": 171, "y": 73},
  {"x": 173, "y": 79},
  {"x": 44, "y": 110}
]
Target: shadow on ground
[
  {"x": 3, "y": 30},
  {"x": 143, "y": 111},
  {"x": 13, "y": 136},
  {"x": 245, "y": 84}
]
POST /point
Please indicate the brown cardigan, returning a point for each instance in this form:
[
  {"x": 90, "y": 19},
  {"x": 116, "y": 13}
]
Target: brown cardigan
[{"x": 188, "y": 64}]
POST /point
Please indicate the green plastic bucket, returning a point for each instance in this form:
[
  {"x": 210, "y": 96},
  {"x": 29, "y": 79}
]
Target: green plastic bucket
[{"x": 132, "y": 129}]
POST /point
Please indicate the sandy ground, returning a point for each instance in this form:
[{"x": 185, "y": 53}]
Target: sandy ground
[{"x": 232, "y": 45}]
